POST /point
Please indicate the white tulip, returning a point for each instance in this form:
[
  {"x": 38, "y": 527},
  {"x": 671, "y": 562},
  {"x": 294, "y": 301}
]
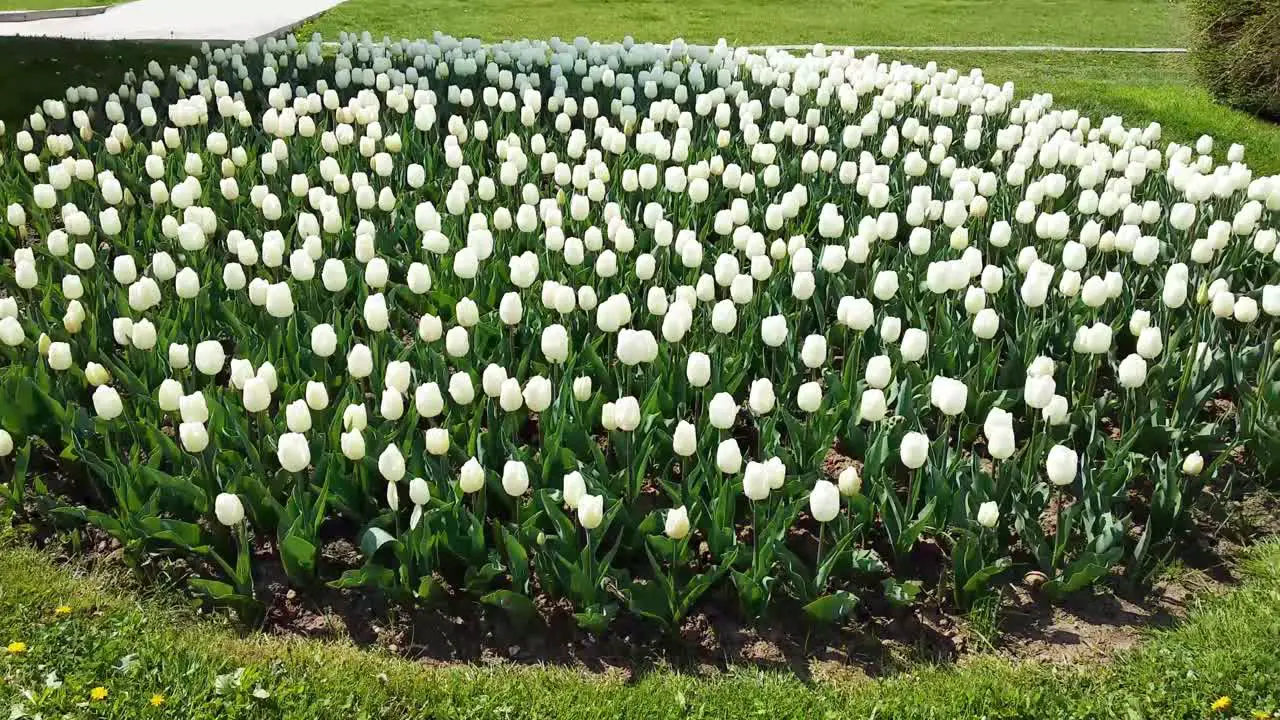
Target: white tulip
[
  {"x": 107, "y": 403},
  {"x": 914, "y": 450},
  {"x": 698, "y": 369},
  {"x": 471, "y": 477},
  {"x": 1132, "y": 372},
  {"x": 1193, "y": 464},
  {"x": 193, "y": 408},
  {"x": 761, "y": 398},
  {"x": 809, "y": 397},
  {"x": 228, "y": 509},
  {"x": 582, "y": 388},
  {"x": 676, "y": 523},
  {"x": 849, "y": 482},
  {"x": 879, "y": 372},
  {"x": 391, "y": 464},
  {"x": 574, "y": 489},
  {"x": 729, "y": 458},
  {"x": 722, "y": 411},
  {"x": 437, "y": 441},
  {"x": 871, "y": 408},
  {"x": 1061, "y": 465},
  {"x": 515, "y": 478},
  {"x": 755, "y": 480},
  {"x": 317, "y": 396},
  {"x": 988, "y": 514},
  {"x": 591, "y": 511},
  {"x": 293, "y": 452},
  {"x": 824, "y": 501},
  {"x": 773, "y": 330}
]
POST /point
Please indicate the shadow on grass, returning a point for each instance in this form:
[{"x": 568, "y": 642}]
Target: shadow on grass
[{"x": 34, "y": 69}]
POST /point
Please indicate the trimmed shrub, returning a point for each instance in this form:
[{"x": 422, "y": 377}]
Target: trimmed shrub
[{"x": 1236, "y": 52}]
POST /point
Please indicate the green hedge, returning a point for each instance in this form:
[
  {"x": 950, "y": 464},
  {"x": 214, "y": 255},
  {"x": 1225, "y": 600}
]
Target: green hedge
[{"x": 1236, "y": 51}]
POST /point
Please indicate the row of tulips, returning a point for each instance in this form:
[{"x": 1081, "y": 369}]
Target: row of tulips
[{"x": 624, "y": 323}]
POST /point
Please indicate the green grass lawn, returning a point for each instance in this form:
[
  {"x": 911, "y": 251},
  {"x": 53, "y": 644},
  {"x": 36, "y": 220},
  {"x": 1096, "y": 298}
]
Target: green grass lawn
[
  {"x": 202, "y": 668},
  {"x": 868, "y": 22},
  {"x": 1141, "y": 88}
]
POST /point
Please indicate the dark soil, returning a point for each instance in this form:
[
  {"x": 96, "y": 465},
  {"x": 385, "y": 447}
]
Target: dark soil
[{"x": 877, "y": 639}]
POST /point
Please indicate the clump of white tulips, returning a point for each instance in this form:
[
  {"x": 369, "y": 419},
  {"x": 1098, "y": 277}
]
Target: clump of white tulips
[{"x": 596, "y": 319}]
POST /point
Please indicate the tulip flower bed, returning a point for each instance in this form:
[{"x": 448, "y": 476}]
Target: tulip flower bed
[{"x": 623, "y": 325}]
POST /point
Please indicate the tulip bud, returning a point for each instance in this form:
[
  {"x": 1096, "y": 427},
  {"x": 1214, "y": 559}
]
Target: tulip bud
[
  {"x": 1132, "y": 372},
  {"x": 537, "y": 393},
  {"x": 297, "y": 416},
  {"x": 849, "y": 482},
  {"x": 915, "y": 343},
  {"x": 59, "y": 357},
  {"x": 355, "y": 417},
  {"x": 555, "y": 343},
  {"x": 95, "y": 374},
  {"x": 179, "y": 357},
  {"x": 461, "y": 388},
  {"x": 814, "y": 351},
  {"x": 169, "y": 396}
]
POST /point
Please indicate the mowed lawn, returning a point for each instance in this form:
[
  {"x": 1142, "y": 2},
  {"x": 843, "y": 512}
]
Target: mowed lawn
[{"x": 1089, "y": 23}]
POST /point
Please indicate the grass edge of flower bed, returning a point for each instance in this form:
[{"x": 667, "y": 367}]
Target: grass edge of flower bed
[{"x": 1225, "y": 647}]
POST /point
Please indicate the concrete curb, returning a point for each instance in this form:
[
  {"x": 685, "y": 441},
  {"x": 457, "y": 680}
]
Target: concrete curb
[{"x": 53, "y": 13}]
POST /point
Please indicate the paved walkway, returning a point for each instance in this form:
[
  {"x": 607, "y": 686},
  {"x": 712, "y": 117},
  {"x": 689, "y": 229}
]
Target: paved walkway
[{"x": 178, "y": 20}]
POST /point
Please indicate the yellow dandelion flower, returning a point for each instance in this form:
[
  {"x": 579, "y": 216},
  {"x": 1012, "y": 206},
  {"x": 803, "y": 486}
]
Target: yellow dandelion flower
[
  {"x": 17, "y": 647},
  {"x": 157, "y": 700},
  {"x": 1222, "y": 704},
  {"x": 1261, "y": 715},
  {"x": 62, "y": 610},
  {"x": 98, "y": 693}
]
